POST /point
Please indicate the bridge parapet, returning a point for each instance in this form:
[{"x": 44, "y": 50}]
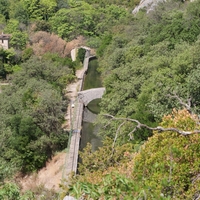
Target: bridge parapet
[
  {"x": 85, "y": 67},
  {"x": 86, "y": 96}
]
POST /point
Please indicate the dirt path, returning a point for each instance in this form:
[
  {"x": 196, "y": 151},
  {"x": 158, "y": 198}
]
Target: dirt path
[
  {"x": 50, "y": 176},
  {"x": 72, "y": 90}
]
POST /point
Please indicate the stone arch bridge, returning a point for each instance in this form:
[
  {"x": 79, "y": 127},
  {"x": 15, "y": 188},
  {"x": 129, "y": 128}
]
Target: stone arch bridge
[{"x": 86, "y": 96}]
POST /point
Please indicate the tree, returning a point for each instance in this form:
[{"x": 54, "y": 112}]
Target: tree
[
  {"x": 33, "y": 8},
  {"x": 166, "y": 166},
  {"x": 8, "y": 59},
  {"x": 54, "y": 73},
  {"x": 48, "y": 7},
  {"x": 27, "y": 53},
  {"x": 18, "y": 11},
  {"x": 32, "y": 109},
  {"x": 18, "y": 40},
  {"x": 172, "y": 173},
  {"x": 12, "y": 26},
  {"x": 69, "y": 23},
  {"x": 12, "y": 191},
  {"x": 2, "y": 71},
  {"x": 81, "y": 54},
  {"x": 62, "y": 4},
  {"x": 4, "y": 9},
  {"x": 105, "y": 157},
  {"x": 129, "y": 4},
  {"x": 42, "y": 25}
]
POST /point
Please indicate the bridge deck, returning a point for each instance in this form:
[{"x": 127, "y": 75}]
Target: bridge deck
[
  {"x": 75, "y": 138},
  {"x": 76, "y": 125}
]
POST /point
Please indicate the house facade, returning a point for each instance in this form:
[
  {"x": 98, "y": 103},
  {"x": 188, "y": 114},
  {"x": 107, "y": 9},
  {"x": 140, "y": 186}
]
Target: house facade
[{"x": 4, "y": 41}]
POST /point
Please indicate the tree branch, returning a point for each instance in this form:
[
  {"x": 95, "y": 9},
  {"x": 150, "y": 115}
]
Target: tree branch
[
  {"x": 185, "y": 105},
  {"x": 158, "y": 128},
  {"x": 116, "y": 135}
]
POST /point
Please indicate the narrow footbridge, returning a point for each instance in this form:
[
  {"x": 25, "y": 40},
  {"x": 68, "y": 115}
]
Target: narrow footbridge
[
  {"x": 76, "y": 117},
  {"x": 86, "y": 96}
]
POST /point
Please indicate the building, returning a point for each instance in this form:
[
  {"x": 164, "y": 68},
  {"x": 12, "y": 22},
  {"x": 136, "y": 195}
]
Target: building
[{"x": 4, "y": 41}]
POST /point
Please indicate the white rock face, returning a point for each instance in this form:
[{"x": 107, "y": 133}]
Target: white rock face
[{"x": 147, "y": 4}]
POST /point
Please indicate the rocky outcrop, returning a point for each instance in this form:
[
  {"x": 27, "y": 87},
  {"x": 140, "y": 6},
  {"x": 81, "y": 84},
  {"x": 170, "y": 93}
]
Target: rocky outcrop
[{"x": 147, "y": 4}]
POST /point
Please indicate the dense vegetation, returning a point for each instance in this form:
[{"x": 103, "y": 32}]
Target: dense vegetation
[
  {"x": 149, "y": 65},
  {"x": 150, "y": 68},
  {"x": 165, "y": 167}
]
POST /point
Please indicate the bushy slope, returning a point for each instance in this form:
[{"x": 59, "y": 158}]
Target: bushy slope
[{"x": 149, "y": 66}]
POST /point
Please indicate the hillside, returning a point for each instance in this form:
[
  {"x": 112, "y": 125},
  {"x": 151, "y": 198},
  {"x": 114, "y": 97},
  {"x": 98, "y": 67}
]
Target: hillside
[
  {"x": 149, "y": 64},
  {"x": 148, "y": 5}
]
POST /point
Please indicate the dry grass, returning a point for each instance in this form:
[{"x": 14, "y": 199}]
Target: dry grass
[
  {"x": 49, "y": 177},
  {"x": 43, "y": 42}
]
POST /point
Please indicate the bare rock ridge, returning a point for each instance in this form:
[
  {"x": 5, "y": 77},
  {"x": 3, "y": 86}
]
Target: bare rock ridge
[
  {"x": 146, "y": 4},
  {"x": 149, "y": 5}
]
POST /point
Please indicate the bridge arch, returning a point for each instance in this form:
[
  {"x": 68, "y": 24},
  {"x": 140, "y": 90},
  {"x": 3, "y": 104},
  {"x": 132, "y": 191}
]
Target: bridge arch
[
  {"x": 86, "y": 96},
  {"x": 89, "y": 116}
]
